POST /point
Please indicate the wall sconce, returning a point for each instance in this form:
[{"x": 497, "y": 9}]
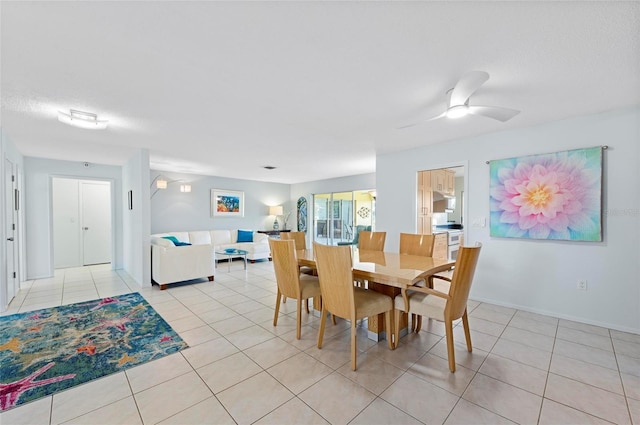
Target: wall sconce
[
  {"x": 161, "y": 183},
  {"x": 276, "y": 211}
]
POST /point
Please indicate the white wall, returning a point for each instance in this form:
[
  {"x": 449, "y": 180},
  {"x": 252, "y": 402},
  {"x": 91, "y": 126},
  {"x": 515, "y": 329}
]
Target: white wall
[
  {"x": 38, "y": 173},
  {"x": 136, "y": 226},
  {"x": 172, "y": 210},
  {"x": 540, "y": 276},
  {"x": 338, "y": 184}
]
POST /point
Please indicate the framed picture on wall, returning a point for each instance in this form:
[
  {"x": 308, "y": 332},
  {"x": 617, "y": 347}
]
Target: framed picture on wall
[
  {"x": 227, "y": 203},
  {"x": 554, "y": 196}
]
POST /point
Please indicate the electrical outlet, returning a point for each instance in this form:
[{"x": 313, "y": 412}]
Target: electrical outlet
[{"x": 582, "y": 284}]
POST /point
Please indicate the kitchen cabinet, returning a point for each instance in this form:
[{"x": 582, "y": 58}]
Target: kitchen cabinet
[
  {"x": 440, "y": 245},
  {"x": 438, "y": 180},
  {"x": 424, "y": 202},
  {"x": 449, "y": 182},
  {"x": 443, "y": 181}
]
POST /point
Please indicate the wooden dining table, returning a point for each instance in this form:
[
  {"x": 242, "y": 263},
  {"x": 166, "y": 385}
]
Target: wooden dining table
[{"x": 386, "y": 272}]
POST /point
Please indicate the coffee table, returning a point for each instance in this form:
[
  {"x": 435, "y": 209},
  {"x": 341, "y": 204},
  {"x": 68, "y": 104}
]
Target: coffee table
[{"x": 235, "y": 253}]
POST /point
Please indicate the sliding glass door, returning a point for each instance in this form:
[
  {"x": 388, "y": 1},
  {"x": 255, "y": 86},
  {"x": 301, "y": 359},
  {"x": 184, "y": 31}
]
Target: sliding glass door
[{"x": 337, "y": 215}]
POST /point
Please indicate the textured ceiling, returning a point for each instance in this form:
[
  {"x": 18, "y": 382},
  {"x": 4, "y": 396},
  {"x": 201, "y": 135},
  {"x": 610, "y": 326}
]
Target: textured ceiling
[{"x": 313, "y": 88}]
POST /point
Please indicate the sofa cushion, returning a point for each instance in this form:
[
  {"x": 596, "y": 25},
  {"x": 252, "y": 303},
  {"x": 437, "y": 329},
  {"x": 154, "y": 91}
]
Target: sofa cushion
[
  {"x": 245, "y": 236},
  {"x": 221, "y": 237},
  {"x": 202, "y": 237}
]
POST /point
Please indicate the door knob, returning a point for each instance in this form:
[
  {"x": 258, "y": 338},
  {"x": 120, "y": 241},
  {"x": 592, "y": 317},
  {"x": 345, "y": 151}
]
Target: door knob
[
  {"x": 10, "y": 239},
  {"x": 85, "y": 228}
]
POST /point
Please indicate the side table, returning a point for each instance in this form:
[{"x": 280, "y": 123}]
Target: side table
[
  {"x": 234, "y": 253},
  {"x": 273, "y": 233}
]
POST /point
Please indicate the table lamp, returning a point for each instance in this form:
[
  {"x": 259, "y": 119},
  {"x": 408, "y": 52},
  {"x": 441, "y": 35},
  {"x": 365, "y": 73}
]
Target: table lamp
[{"x": 276, "y": 211}]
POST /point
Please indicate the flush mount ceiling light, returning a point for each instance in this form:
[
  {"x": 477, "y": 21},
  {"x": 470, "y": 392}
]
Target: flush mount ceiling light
[{"x": 82, "y": 120}]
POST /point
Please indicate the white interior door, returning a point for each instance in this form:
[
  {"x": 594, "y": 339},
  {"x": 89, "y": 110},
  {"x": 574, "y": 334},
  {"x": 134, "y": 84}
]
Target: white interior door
[
  {"x": 96, "y": 221},
  {"x": 11, "y": 243},
  {"x": 67, "y": 236}
]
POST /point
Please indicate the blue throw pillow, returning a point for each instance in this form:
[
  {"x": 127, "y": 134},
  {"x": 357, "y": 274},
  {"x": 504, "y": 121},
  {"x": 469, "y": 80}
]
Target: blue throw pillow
[
  {"x": 175, "y": 241},
  {"x": 245, "y": 235}
]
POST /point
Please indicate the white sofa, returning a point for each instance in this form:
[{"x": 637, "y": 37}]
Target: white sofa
[{"x": 170, "y": 263}]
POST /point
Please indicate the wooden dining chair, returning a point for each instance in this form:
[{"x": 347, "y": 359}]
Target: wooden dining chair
[
  {"x": 417, "y": 244},
  {"x": 371, "y": 241},
  {"x": 298, "y": 237},
  {"x": 341, "y": 298},
  {"x": 291, "y": 283},
  {"x": 443, "y": 306},
  {"x": 300, "y": 240}
]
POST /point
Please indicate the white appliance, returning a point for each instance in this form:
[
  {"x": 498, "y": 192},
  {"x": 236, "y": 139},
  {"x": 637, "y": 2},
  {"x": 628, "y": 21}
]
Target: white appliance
[{"x": 453, "y": 243}]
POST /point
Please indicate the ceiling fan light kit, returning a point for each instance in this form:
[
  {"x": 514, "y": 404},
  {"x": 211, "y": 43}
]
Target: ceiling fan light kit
[
  {"x": 458, "y": 101},
  {"x": 457, "y": 111},
  {"x": 82, "y": 120}
]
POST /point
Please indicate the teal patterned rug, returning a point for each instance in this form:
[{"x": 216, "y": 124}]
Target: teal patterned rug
[{"x": 46, "y": 351}]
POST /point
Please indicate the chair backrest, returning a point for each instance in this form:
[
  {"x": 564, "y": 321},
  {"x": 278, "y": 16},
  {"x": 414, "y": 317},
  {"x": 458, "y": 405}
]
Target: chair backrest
[
  {"x": 298, "y": 237},
  {"x": 371, "y": 241},
  {"x": 461, "y": 281},
  {"x": 413, "y": 244},
  {"x": 285, "y": 265},
  {"x": 335, "y": 274}
]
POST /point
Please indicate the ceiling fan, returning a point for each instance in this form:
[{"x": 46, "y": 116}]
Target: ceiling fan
[{"x": 458, "y": 101}]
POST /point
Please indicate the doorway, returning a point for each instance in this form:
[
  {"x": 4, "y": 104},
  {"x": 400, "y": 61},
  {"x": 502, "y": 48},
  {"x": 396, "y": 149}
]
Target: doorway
[
  {"x": 81, "y": 222},
  {"x": 440, "y": 199}
]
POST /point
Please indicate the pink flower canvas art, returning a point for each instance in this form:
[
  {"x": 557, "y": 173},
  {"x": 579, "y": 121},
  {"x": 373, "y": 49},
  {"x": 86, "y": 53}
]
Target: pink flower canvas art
[{"x": 549, "y": 196}]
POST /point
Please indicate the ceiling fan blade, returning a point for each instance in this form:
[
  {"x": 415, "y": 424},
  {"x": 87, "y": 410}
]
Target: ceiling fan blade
[
  {"x": 422, "y": 122},
  {"x": 468, "y": 84},
  {"x": 495, "y": 112}
]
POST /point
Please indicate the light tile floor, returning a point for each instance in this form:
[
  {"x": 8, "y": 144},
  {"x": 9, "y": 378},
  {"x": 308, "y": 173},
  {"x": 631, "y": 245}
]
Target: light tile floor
[{"x": 525, "y": 368}]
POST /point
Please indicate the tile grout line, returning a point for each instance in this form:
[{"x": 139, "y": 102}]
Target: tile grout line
[{"x": 624, "y": 390}]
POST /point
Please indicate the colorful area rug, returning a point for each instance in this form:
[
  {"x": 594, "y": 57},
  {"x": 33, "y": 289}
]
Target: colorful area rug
[{"x": 46, "y": 351}]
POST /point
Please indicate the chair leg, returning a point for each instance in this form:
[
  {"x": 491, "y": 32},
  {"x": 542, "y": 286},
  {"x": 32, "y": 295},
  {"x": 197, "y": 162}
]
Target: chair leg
[
  {"x": 275, "y": 316},
  {"x": 396, "y": 327},
  {"x": 448, "y": 324},
  {"x": 306, "y": 305},
  {"x": 467, "y": 333},
  {"x": 323, "y": 319},
  {"x": 333, "y": 319},
  {"x": 298, "y": 318},
  {"x": 390, "y": 329},
  {"x": 353, "y": 345},
  {"x": 419, "y": 323},
  {"x": 284, "y": 300}
]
